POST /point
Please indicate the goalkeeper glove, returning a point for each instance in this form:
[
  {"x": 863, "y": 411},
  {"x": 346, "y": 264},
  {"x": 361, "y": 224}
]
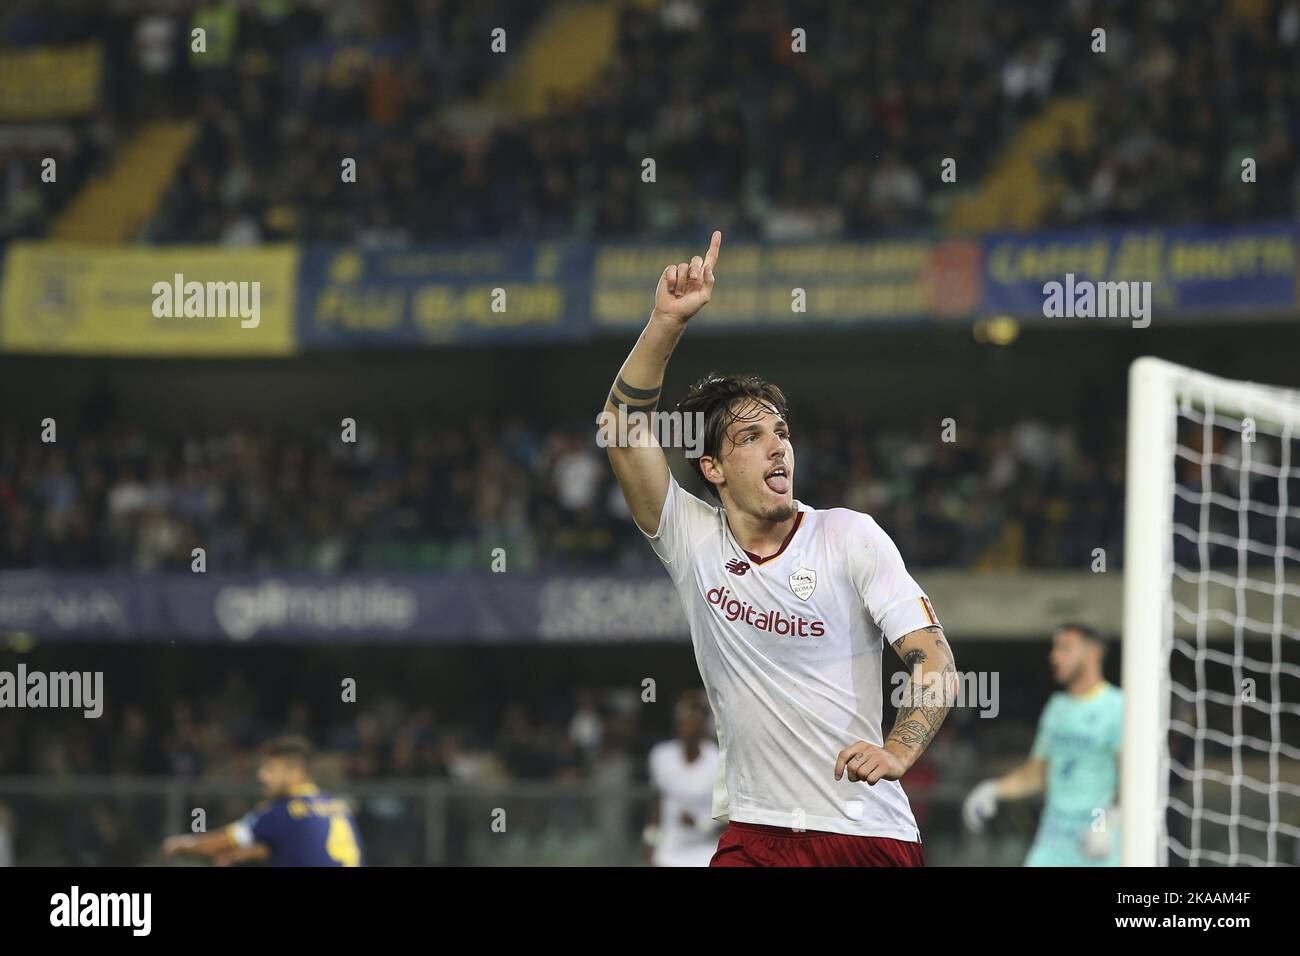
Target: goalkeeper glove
[{"x": 981, "y": 806}]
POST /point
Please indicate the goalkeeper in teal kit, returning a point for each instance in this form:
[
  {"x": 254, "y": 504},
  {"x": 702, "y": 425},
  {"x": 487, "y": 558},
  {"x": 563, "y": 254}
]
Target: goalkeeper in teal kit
[{"x": 1075, "y": 758}]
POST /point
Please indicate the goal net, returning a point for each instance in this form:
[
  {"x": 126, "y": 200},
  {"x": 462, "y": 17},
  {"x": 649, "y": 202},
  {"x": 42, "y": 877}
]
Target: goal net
[{"x": 1210, "y": 768}]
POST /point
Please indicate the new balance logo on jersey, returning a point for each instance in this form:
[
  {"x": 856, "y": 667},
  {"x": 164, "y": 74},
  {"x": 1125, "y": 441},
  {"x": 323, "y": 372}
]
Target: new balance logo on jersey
[{"x": 736, "y": 566}]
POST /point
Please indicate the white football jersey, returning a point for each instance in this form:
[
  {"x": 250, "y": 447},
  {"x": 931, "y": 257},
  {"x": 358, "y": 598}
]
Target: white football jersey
[
  {"x": 789, "y": 650},
  {"x": 685, "y": 786}
]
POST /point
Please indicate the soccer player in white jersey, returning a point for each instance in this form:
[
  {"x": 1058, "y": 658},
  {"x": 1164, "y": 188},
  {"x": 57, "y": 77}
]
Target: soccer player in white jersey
[
  {"x": 789, "y": 609},
  {"x": 681, "y": 831},
  {"x": 1075, "y": 760}
]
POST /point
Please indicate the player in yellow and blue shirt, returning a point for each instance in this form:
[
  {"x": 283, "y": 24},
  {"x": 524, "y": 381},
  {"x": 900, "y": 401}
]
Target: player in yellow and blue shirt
[
  {"x": 298, "y": 825},
  {"x": 1075, "y": 759}
]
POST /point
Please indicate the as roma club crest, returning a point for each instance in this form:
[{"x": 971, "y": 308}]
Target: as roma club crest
[{"x": 803, "y": 582}]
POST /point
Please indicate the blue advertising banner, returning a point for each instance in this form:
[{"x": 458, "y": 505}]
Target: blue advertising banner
[
  {"x": 451, "y": 608},
  {"x": 1191, "y": 270},
  {"x": 799, "y": 284},
  {"x": 488, "y": 293},
  {"x": 503, "y": 292}
]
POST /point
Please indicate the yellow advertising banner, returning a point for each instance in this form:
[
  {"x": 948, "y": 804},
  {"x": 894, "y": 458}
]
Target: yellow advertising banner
[
  {"x": 50, "y": 82},
  {"x": 178, "y": 300}
]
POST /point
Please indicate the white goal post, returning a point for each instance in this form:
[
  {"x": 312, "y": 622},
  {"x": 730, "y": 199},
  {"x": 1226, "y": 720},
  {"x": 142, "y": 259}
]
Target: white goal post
[{"x": 1210, "y": 762}]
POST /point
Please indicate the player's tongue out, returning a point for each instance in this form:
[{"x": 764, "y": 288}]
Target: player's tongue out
[{"x": 778, "y": 480}]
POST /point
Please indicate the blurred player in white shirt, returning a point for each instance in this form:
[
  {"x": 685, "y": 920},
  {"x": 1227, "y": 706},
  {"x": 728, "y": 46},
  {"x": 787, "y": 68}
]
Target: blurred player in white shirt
[{"x": 681, "y": 831}]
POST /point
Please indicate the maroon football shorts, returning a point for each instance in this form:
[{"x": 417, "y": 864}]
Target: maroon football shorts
[{"x": 752, "y": 844}]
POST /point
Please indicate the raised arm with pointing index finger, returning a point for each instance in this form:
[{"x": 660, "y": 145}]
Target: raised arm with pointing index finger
[{"x": 639, "y": 464}]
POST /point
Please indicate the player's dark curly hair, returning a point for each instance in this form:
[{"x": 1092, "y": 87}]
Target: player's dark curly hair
[{"x": 724, "y": 400}]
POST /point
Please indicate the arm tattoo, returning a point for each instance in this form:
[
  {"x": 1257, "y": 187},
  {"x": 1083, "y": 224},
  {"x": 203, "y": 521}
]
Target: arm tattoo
[
  {"x": 624, "y": 396},
  {"x": 932, "y": 629},
  {"x": 924, "y": 704},
  {"x": 923, "y": 710}
]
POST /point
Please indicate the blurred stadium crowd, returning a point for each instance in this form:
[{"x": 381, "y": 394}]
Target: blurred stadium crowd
[
  {"x": 439, "y": 495},
  {"x": 594, "y": 737},
  {"x": 217, "y": 734},
  {"x": 842, "y": 140},
  {"x": 590, "y": 735}
]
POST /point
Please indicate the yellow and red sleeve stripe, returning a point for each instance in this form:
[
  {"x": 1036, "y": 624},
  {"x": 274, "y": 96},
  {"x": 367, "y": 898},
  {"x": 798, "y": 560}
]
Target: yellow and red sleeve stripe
[{"x": 929, "y": 611}]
